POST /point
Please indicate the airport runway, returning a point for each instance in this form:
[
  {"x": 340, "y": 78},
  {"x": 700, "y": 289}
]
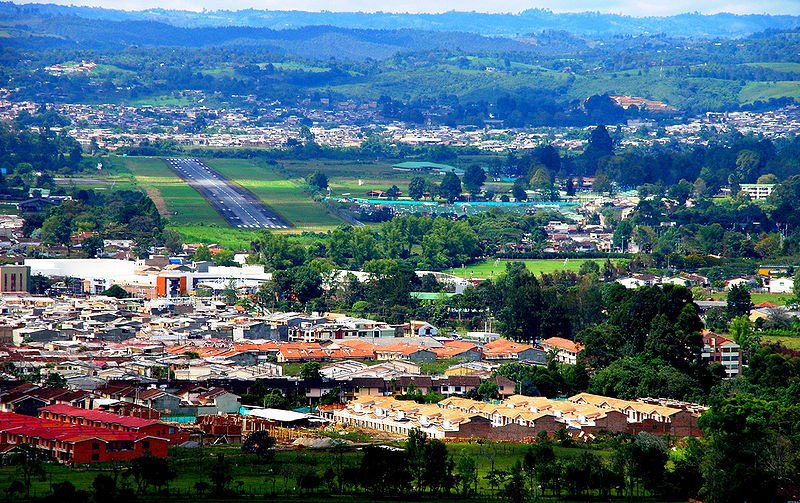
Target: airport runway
[{"x": 239, "y": 207}]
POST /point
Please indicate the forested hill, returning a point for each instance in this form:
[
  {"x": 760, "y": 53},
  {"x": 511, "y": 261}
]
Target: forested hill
[
  {"x": 506, "y": 25},
  {"x": 318, "y": 42}
]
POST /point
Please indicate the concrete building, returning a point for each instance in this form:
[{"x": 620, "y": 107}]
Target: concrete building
[
  {"x": 757, "y": 191},
  {"x": 721, "y": 350},
  {"x": 567, "y": 350},
  {"x": 780, "y": 285},
  {"x": 14, "y": 278}
]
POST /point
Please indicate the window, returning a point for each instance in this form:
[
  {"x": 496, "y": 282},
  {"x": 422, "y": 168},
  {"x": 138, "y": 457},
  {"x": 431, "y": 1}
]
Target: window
[
  {"x": 95, "y": 446},
  {"x": 145, "y": 444},
  {"x": 95, "y": 457}
]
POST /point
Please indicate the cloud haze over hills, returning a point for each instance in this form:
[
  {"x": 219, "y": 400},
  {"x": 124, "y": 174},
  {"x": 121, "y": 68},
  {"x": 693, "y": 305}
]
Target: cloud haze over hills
[{"x": 627, "y": 7}]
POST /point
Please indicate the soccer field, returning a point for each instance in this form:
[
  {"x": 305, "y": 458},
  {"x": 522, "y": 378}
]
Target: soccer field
[{"x": 492, "y": 268}]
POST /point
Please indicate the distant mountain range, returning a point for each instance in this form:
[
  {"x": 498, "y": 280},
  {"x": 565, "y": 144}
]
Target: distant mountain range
[
  {"x": 503, "y": 25},
  {"x": 314, "y": 42}
]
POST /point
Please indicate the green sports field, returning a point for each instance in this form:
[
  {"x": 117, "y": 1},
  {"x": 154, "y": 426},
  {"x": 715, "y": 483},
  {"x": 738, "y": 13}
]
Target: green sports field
[{"x": 492, "y": 268}]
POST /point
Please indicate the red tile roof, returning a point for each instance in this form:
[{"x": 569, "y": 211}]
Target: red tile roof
[
  {"x": 28, "y": 426},
  {"x": 98, "y": 415}
]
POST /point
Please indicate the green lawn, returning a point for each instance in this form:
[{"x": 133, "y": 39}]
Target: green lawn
[
  {"x": 352, "y": 177},
  {"x": 8, "y": 209},
  {"x": 491, "y": 268},
  {"x": 228, "y": 237},
  {"x": 789, "y": 342}
]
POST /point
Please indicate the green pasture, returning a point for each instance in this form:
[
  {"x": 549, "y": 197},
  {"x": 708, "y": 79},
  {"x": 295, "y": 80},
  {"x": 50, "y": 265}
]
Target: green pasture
[
  {"x": 753, "y": 91},
  {"x": 296, "y": 66},
  {"x": 492, "y": 268},
  {"x": 782, "y": 66}
]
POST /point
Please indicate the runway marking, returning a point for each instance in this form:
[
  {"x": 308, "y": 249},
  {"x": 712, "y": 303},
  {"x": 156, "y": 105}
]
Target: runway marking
[{"x": 239, "y": 208}]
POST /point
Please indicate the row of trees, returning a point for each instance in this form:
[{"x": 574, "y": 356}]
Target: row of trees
[{"x": 121, "y": 214}]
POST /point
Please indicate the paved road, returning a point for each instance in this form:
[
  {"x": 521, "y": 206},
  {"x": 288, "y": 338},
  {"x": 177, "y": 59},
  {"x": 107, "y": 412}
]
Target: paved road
[{"x": 239, "y": 207}]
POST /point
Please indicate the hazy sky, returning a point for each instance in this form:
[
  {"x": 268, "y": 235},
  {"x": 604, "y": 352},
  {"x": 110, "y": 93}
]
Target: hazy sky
[{"x": 629, "y": 7}]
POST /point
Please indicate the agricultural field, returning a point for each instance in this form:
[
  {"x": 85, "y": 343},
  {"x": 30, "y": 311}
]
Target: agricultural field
[{"x": 492, "y": 268}]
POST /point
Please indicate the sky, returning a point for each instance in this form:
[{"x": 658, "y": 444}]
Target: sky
[{"x": 628, "y": 7}]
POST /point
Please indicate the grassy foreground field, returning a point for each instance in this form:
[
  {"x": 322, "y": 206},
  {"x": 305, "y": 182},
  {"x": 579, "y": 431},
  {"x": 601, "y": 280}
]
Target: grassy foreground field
[
  {"x": 279, "y": 477},
  {"x": 492, "y": 268}
]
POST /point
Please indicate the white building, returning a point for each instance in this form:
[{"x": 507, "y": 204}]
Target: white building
[
  {"x": 780, "y": 285},
  {"x": 757, "y": 191}
]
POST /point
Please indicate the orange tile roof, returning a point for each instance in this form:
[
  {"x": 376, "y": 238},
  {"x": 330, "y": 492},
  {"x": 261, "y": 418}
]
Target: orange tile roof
[{"x": 564, "y": 344}]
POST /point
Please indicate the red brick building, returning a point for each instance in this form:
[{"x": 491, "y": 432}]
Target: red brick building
[
  {"x": 74, "y": 443},
  {"x": 113, "y": 422}
]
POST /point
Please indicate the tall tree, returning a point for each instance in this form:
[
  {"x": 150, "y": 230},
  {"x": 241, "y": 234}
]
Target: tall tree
[
  {"x": 521, "y": 305},
  {"x": 474, "y": 176},
  {"x": 416, "y": 188},
  {"x": 741, "y": 329},
  {"x": 450, "y": 187},
  {"x": 738, "y": 302}
]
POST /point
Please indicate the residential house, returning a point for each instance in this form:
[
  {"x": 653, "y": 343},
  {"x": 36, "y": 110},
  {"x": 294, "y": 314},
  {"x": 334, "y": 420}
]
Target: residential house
[
  {"x": 780, "y": 285},
  {"x": 566, "y": 350},
  {"x": 504, "y": 349},
  {"x": 721, "y": 350},
  {"x": 416, "y": 328}
]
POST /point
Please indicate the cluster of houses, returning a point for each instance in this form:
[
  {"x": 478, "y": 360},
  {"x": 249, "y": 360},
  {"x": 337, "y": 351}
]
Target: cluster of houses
[
  {"x": 90, "y": 340},
  {"x": 519, "y": 418},
  {"x": 770, "y": 279},
  {"x": 176, "y": 398}
]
